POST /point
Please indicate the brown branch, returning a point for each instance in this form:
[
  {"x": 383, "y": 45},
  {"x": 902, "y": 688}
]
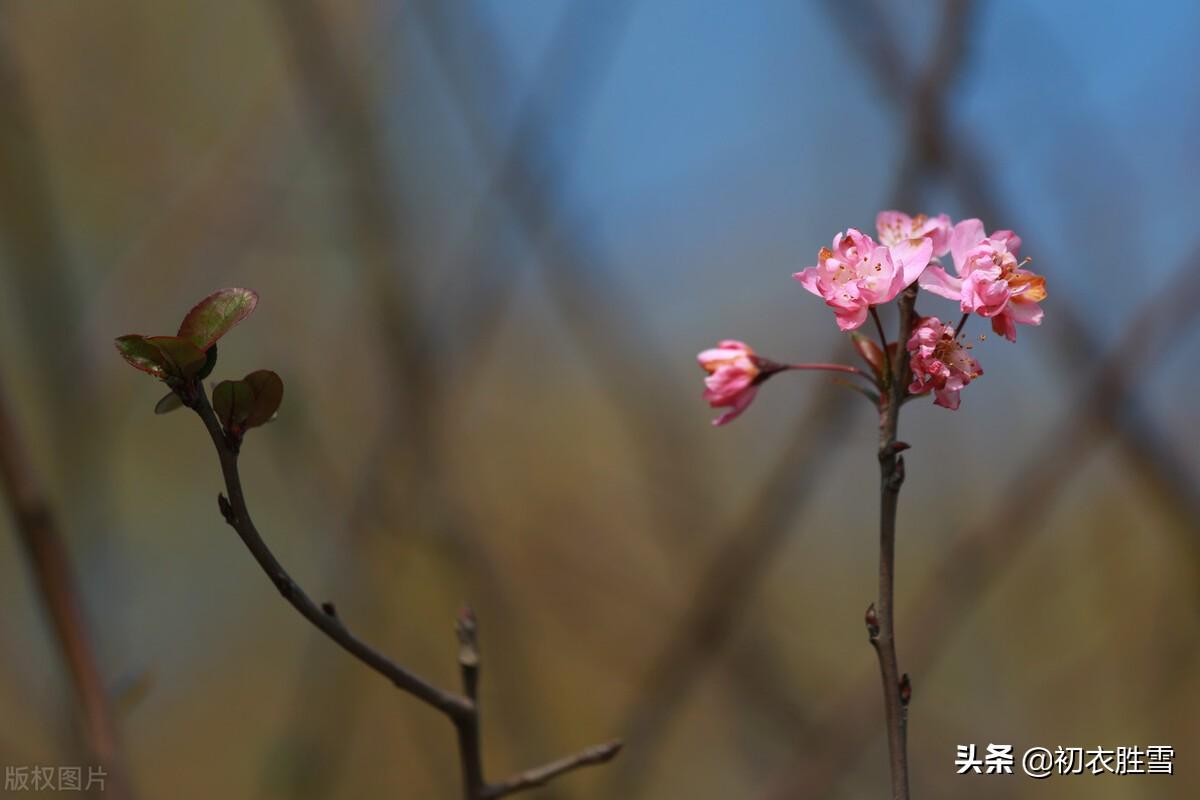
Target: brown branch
[
  {"x": 881, "y": 616},
  {"x": 234, "y": 510},
  {"x": 540, "y": 776},
  {"x": 461, "y": 710},
  {"x": 48, "y": 557},
  {"x": 468, "y": 730}
]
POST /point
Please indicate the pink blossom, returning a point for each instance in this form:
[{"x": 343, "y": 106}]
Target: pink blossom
[
  {"x": 734, "y": 373},
  {"x": 990, "y": 281},
  {"x": 940, "y": 362},
  {"x": 857, "y": 273},
  {"x": 895, "y": 227}
]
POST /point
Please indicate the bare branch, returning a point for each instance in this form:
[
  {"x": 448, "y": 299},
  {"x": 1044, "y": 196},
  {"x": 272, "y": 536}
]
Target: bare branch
[
  {"x": 234, "y": 510},
  {"x": 462, "y": 710},
  {"x": 469, "y": 754},
  {"x": 539, "y": 776}
]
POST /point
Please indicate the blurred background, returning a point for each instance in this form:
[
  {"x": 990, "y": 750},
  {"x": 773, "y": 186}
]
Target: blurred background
[{"x": 489, "y": 238}]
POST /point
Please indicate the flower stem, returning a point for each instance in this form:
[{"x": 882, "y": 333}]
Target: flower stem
[
  {"x": 881, "y": 624},
  {"x": 831, "y": 368},
  {"x": 883, "y": 342},
  {"x": 961, "y": 324}
]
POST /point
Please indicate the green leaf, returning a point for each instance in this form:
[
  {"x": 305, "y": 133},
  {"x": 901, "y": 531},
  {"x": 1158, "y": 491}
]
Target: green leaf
[
  {"x": 143, "y": 355},
  {"x": 267, "y": 388},
  {"x": 233, "y": 401},
  {"x": 216, "y": 314},
  {"x": 184, "y": 359},
  {"x": 169, "y": 403}
]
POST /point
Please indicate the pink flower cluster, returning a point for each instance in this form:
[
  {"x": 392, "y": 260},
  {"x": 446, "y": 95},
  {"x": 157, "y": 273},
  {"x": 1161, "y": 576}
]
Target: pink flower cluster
[
  {"x": 939, "y": 362},
  {"x": 858, "y": 273}
]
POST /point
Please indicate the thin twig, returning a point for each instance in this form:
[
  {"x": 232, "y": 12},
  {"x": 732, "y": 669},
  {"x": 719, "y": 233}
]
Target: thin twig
[
  {"x": 532, "y": 778},
  {"x": 237, "y": 515},
  {"x": 883, "y": 343},
  {"x": 817, "y": 367},
  {"x": 51, "y": 566},
  {"x": 461, "y": 710},
  {"x": 468, "y": 731},
  {"x": 962, "y": 323}
]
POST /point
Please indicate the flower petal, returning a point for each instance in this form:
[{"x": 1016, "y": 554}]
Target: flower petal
[
  {"x": 911, "y": 257},
  {"x": 966, "y": 235},
  {"x": 937, "y": 280}
]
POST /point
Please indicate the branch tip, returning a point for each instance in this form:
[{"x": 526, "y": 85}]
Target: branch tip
[
  {"x": 225, "y": 507},
  {"x": 540, "y": 776},
  {"x": 467, "y": 628}
]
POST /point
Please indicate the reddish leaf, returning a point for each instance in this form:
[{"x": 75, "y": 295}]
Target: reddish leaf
[
  {"x": 869, "y": 351},
  {"x": 183, "y": 358},
  {"x": 216, "y": 314},
  {"x": 267, "y": 388},
  {"x": 143, "y": 355},
  {"x": 233, "y": 401}
]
